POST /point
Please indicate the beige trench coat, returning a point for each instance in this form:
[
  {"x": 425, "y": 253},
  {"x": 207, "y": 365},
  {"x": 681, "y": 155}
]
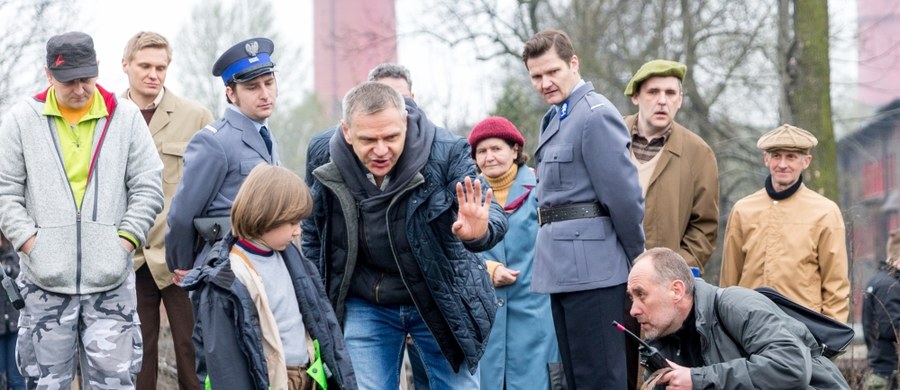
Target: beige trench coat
[{"x": 172, "y": 126}]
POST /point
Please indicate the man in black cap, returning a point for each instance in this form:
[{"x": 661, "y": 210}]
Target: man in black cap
[
  {"x": 219, "y": 157},
  {"x": 80, "y": 189}
]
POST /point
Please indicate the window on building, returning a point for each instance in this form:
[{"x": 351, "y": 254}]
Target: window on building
[
  {"x": 873, "y": 179},
  {"x": 890, "y": 172}
]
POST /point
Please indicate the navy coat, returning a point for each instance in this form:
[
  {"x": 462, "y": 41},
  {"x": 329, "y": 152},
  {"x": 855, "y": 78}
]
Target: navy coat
[
  {"x": 227, "y": 336},
  {"x": 455, "y": 296},
  {"x": 585, "y": 158}
]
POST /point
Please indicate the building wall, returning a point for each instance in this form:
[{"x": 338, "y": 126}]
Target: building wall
[
  {"x": 870, "y": 194},
  {"x": 879, "y": 51},
  {"x": 351, "y": 38}
]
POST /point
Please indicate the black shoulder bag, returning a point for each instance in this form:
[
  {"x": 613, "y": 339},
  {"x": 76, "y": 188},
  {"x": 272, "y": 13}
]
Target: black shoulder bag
[{"x": 833, "y": 336}]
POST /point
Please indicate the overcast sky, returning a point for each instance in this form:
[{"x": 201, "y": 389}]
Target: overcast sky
[{"x": 451, "y": 85}]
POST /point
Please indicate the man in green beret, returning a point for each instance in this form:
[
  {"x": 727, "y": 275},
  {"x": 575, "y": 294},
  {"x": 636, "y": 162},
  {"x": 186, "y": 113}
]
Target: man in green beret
[
  {"x": 787, "y": 236},
  {"x": 676, "y": 168}
]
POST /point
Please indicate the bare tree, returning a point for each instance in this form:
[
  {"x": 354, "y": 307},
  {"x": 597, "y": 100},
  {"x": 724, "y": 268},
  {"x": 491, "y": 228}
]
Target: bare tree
[
  {"x": 219, "y": 25},
  {"x": 806, "y": 84},
  {"x": 732, "y": 50},
  {"x": 28, "y": 24}
]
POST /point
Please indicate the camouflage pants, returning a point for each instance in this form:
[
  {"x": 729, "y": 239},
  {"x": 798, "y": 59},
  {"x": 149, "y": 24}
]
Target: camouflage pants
[{"x": 102, "y": 329}]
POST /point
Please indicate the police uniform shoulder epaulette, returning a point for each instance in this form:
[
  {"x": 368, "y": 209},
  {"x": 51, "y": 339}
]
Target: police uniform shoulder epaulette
[
  {"x": 594, "y": 101},
  {"x": 215, "y": 126}
]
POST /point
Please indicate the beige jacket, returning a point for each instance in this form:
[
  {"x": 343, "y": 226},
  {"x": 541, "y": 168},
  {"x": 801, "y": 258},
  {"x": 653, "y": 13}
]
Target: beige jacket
[
  {"x": 681, "y": 210},
  {"x": 796, "y": 246},
  {"x": 172, "y": 126}
]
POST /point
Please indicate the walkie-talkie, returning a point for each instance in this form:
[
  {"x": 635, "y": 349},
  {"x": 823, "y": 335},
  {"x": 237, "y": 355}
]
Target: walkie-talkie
[
  {"x": 12, "y": 291},
  {"x": 650, "y": 357}
]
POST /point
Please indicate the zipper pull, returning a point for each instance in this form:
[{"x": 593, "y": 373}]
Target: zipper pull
[{"x": 78, "y": 216}]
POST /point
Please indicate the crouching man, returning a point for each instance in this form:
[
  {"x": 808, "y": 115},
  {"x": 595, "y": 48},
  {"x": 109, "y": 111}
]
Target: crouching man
[{"x": 748, "y": 343}]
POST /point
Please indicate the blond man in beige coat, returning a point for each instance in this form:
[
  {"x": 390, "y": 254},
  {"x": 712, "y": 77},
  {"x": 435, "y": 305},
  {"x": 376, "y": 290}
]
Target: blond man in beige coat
[{"x": 172, "y": 121}]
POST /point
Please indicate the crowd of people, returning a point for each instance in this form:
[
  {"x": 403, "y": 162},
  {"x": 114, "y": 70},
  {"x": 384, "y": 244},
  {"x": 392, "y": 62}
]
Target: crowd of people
[{"x": 406, "y": 239}]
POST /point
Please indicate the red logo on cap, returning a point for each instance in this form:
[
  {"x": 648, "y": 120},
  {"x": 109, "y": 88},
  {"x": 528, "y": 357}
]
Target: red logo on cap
[{"x": 59, "y": 60}]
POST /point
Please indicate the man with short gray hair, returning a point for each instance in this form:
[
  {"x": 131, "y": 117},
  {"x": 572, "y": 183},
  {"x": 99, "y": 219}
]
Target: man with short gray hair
[
  {"x": 721, "y": 338},
  {"x": 787, "y": 236},
  {"x": 399, "y": 214},
  {"x": 391, "y": 74},
  {"x": 394, "y": 75}
]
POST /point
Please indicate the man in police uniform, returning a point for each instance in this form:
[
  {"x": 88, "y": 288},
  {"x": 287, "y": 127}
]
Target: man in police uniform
[
  {"x": 219, "y": 157},
  {"x": 590, "y": 214},
  {"x": 787, "y": 236}
]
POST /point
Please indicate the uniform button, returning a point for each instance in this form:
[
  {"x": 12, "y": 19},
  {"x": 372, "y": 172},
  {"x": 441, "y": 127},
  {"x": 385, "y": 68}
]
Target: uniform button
[
  {"x": 500, "y": 302},
  {"x": 577, "y": 234}
]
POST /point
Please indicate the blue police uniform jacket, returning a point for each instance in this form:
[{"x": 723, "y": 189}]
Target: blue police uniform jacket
[
  {"x": 216, "y": 161},
  {"x": 585, "y": 158}
]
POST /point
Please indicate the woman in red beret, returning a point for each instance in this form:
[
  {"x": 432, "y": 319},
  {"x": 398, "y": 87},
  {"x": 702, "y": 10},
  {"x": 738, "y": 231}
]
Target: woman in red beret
[{"x": 523, "y": 343}]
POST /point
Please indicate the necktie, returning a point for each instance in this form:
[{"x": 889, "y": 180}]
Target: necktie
[{"x": 264, "y": 132}]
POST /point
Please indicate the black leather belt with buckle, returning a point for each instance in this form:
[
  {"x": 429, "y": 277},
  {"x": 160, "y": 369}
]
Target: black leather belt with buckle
[{"x": 571, "y": 211}]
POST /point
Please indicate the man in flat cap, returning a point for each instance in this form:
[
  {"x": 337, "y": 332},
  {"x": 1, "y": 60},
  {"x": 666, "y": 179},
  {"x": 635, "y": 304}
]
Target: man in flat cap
[
  {"x": 676, "y": 168},
  {"x": 590, "y": 212},
  {"x": 221, "y": 155},
  {"x": 79, "y": 189},
  {"x": 787, "y": 236}
]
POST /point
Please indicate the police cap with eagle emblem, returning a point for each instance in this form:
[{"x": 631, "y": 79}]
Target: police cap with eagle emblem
[{"x": 245, "y": 61}]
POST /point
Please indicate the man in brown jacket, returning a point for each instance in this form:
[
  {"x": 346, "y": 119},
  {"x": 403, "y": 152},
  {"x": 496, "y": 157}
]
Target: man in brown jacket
[
  {"x": 676, "y": 168},
  {"x": 172, "y": 121},
  {"x": 787, "y": 236}
]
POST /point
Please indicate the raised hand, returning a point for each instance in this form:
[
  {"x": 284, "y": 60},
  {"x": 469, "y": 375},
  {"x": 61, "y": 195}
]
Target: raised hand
[{"x": 472, "y": 218}]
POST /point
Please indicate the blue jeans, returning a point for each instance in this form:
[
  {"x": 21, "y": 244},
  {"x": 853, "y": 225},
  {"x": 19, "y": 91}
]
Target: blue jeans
[
  {"x": 14, "y": 379},
  {"x": 375, "y": 336}
]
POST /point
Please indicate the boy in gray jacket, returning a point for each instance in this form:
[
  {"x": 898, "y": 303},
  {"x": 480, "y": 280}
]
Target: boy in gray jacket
[{"x": 80, "y": 185}]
